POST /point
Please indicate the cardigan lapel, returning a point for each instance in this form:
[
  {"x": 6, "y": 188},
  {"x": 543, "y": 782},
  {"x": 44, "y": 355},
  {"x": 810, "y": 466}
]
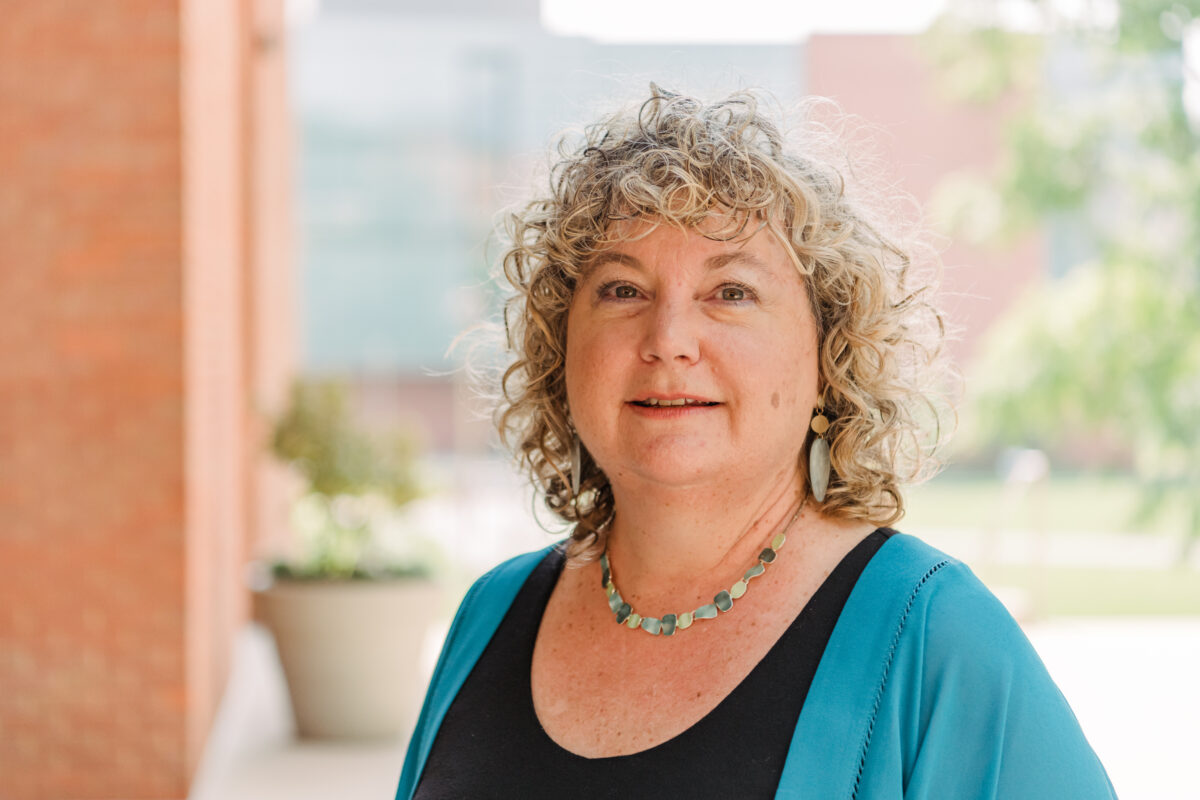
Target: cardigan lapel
[
  {"x": 478, "y": 617},
  {"x": 833, "y": 732}
]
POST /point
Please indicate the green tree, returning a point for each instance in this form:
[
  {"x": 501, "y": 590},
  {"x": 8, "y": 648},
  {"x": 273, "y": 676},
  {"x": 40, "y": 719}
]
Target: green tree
[{"x": 1104, "y": 140}]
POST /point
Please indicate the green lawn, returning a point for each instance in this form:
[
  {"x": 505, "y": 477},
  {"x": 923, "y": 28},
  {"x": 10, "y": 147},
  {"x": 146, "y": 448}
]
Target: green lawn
[
  {"x": 1068, "y": 503},
  {"x": 1076, "y": 503},
  {"x": 1100, "y": 592}
]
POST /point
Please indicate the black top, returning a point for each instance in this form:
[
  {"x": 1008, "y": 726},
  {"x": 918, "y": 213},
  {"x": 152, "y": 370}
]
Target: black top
[{"x": 491, "y": 743}]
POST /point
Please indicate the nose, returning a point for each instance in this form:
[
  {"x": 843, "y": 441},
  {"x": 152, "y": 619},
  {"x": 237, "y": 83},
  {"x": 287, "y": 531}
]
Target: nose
[{"x": 671, "y": 334}]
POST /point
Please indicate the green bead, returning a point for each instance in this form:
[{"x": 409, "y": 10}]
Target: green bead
[
  {"x": 723, "y": 601},
  {"x": 766, "y": 556},
  {"x": 738, "y": 589},
  {"x": 685, "y": 620},
  {"x": 778, "y": 541},
  {"x": 705, "y": 612},
  {"x": 633, "y": 620},
  {"x": 754, "y": 572},
  {"x": 623, "y": 613},
  {"x": 651, "y": 625},
  {"x": 615, "y": 601},
  {"x": 668, "y": 624}
]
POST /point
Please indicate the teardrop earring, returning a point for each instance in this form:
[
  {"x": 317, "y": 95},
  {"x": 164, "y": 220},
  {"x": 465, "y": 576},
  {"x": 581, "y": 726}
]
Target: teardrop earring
[
  {"x": 818, "y": 452},
  {"x": 576, "y": 467}
]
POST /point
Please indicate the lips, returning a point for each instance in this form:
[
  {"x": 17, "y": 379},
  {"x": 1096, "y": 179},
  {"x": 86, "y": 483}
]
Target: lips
[{"x": 678, "y": 401}]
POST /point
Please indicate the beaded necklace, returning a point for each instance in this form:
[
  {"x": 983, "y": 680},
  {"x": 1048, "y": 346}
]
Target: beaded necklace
[{"x": 723, "y": 601}]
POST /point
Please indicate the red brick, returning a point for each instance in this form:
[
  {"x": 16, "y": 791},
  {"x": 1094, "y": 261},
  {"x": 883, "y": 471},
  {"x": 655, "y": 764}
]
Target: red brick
[{"x": 111, "y": 669}]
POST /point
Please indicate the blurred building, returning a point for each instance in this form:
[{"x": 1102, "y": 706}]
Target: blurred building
[{"x": 420, "y": 123}]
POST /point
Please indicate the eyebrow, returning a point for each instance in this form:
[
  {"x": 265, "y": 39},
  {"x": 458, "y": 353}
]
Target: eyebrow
[
  {"x": 711, "y": 263},
  {"x": 620, "y": 258},
  {"x": 736, "y": 257}
]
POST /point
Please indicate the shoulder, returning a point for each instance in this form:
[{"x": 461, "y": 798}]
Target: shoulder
[
  {"x": 923, "y": 578},
  {"x": 981, "y": 708},
  {"x": 515, "y": 569},
  {"x": 955, "y": 617},
  {"x": 495, "y": 590},
  {"x": 945, "y": 612}
]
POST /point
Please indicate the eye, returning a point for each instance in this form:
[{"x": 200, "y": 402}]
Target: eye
[
  {"x": 735, "y": 293},
  {"x": 617, "y": 290}
]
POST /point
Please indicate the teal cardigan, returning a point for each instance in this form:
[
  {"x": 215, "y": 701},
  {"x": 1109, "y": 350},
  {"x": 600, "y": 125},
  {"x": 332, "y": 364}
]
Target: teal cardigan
[{"x": 927, "y": 689}]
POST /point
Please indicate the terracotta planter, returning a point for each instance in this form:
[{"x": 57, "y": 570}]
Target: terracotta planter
[{"x": 351, "y": 652}]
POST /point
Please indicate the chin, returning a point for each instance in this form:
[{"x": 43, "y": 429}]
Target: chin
[{"x": 680, "y": 465}]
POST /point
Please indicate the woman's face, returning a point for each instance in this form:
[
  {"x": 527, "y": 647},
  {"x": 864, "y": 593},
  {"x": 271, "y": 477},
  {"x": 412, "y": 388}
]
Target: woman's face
[{"x": 724, "y": 327}]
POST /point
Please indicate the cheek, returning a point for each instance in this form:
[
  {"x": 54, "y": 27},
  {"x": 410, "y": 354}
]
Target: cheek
[
  {"x": 576, "y": 372},
  {"x": 792, "y": 378},
  {"x": 573, "y": 367},
  {"x": 588, "y": 367}
]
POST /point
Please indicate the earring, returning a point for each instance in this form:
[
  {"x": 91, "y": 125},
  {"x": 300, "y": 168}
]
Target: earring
[
  {"x": 818, "y": 452},
  {"x": 576, "y": 467}
]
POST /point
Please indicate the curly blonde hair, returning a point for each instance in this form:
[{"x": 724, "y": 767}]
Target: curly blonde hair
[{"x": 677, "y": 160}]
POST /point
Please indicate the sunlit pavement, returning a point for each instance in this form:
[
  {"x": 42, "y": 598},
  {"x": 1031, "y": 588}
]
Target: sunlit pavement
[
  {"x": 253, "y": 753},
  {"x": 1132, "y": 683}
]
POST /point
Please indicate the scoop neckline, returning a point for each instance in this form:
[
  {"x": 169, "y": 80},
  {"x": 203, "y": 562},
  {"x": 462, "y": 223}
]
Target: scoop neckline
[{"x": 559, "y": 554}]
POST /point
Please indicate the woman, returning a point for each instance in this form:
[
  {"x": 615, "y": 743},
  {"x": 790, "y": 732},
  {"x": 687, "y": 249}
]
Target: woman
[{"x": 719, "y": 373}]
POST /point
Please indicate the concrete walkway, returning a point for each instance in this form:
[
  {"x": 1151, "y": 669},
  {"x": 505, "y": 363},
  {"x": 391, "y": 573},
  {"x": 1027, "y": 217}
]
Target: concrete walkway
[{"x": 1132, "y": 683}]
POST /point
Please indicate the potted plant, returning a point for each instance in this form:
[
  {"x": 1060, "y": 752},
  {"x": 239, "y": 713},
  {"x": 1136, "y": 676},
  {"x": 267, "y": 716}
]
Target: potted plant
[{"x": 349, "y": 610}]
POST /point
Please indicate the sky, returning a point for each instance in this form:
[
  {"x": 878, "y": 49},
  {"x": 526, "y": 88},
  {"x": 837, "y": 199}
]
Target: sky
[
  {"x": 756, "y": 21},
  {"x": 710, "y": 21}
]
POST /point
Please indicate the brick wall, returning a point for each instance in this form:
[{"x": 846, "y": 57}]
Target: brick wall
[{"x": 131, "y": 354}]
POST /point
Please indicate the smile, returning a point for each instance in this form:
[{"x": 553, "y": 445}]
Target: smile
[{"x": 661, "y": 402}]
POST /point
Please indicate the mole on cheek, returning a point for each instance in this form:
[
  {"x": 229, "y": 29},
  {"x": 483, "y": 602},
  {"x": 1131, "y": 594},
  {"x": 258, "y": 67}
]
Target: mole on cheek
[{"x": 775, "y": 400}]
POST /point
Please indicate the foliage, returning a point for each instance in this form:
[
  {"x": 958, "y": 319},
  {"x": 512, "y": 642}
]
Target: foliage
[
  {"x": 1103, "y": 142},
  {"x": 353, "y": 478}
]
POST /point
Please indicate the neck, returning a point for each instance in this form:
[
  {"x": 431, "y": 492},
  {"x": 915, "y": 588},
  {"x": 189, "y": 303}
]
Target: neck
[{"x": 667, "y": 543}]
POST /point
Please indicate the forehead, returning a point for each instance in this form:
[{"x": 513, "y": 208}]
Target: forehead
[
  {"x": 717, "y": 225},
  {"x": 643, "y": 244}
]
